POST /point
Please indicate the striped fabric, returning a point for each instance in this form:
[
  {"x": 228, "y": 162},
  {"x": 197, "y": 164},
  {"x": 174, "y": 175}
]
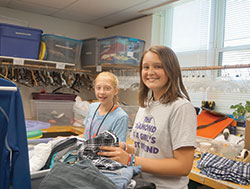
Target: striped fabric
[{"x": 224, "y": 169}]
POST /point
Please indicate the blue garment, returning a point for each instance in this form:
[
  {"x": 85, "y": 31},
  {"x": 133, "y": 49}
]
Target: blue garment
[
  {"x": 14, "y": 161},
  {"x": 122, "y": 177},
  {"x": 116, "y": 122}
]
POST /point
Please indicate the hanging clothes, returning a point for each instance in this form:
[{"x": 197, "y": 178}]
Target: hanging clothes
[{"x": 14, "y": 161}]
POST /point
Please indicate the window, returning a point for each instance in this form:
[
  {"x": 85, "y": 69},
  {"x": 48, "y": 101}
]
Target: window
[{"x": 208, "y": 32}]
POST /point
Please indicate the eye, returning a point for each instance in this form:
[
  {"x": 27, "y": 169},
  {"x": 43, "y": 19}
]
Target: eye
[
  {"x": 107, "y": 88},
  {"x": 145, "y": 67},
  {"x": 158, "y": 67}
]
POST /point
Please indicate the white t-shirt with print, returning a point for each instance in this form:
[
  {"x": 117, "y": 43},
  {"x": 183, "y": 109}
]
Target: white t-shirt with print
[{"x": 158, "y": 130}]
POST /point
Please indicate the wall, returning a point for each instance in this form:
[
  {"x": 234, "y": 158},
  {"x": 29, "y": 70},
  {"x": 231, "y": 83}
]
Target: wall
[
  {"x": 140, "y": 29},
  {"x": 54, "y": 25}
]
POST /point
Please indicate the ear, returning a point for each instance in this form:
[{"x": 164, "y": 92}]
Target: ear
[{"x": 116, "y": 91}]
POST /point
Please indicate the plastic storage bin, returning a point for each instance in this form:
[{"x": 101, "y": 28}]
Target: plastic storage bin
[
  {"x": 62, "y": 49},
  {"x": 121, "y": 50},
  {"x": 19, "y": 41},
  {"x": 55, "y": 112},
  {"x": 53, "y": 96},
  {"x": 90, "y": 51}
]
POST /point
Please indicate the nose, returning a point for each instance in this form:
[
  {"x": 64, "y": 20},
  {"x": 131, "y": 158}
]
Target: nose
[{"x": 151, "y": 70}]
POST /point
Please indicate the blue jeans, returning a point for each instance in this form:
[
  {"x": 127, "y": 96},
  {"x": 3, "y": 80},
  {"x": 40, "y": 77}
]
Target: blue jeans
[{"x": 122, "y": 177}]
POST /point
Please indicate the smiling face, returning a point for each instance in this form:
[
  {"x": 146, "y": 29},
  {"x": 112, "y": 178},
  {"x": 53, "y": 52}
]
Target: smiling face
[
  {"x": 105, "y": 90},
  {"x": 153, "y": 74}
]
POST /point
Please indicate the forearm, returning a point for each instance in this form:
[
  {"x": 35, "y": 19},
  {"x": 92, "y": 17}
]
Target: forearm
[
  {"x": 179, "y": 165},
  {"x": 163, "y": 166}
]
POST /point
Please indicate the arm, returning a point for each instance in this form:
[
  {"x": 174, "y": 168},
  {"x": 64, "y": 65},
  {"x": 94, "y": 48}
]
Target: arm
[{"x": 179, "y": 165}]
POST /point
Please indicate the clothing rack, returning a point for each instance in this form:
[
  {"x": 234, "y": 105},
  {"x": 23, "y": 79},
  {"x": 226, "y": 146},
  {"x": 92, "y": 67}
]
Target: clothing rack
[
  {"x": 2, "y": 88},
  {"x": 236, "y": 66}
]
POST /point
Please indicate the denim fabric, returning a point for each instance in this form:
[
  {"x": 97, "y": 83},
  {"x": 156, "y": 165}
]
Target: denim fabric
[
  {"x": 83, "y": 175},
  {"x": 122, "y": 177}
]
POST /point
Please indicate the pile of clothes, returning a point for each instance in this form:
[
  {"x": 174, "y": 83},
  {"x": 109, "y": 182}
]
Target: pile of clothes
[{"x": 74, "y": 163}]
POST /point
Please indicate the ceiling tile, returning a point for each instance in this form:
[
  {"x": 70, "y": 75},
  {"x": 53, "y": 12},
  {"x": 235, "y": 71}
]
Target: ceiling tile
[
  {"x": 100, "y": 8},
  {"x": 57, "y": 4},
  {"x": 29, "y": 7},
  {"x": 97, "y": 12}
]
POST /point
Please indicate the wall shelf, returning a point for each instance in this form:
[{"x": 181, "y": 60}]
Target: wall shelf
[
  {"x": 109, "y": 66},
  {"x": 39, "y": 64}
]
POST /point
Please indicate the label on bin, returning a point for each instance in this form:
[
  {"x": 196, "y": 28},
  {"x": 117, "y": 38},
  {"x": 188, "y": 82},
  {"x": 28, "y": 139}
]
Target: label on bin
[
  {"x": 18, "y": 61},
  {"x": 60, "y": 65},
  {"x": 98, "y": 68},
  {"x": 130, "y": 52}
]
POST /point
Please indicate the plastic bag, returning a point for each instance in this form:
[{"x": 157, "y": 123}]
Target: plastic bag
[{"x": 80, "y": 110}]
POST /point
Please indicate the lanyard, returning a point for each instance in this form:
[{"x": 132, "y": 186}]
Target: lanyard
[{"x": 100, "y": 123}]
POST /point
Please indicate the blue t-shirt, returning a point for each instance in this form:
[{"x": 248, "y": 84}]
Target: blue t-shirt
[{"x": 116, "y": 122}]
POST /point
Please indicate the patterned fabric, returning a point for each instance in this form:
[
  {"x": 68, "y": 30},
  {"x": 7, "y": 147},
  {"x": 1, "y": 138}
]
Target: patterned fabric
[
  {"x": 224, "y": 169},
  {"x": 90, "y": 148}
]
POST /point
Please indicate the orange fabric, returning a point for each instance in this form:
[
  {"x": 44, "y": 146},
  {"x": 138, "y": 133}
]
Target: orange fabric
[{"x": 205, "y": 117}]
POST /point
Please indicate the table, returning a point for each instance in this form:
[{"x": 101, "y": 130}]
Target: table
[
  {"x": 196, "y": 176},
  {"x": 65, "y": 130}
]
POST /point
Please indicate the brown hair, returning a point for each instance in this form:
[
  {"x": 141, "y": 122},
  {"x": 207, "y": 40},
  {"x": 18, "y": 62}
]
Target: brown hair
[
  {"x": 174, "y": 87},
  {"x": 114, "y": 81}
]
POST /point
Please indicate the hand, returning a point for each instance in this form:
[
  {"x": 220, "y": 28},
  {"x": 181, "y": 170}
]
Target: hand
[{"x": 115, "y": 153}]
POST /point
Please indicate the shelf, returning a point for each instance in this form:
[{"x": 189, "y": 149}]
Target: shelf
[
  {"x": 38, "y": 64},
  {"x": 108, "y": 66},
  {"x": 24, "y": 61}
]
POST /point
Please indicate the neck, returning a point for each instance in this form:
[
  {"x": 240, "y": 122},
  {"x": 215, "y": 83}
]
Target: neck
[
  {"x": 105, "y": 108},
  {"x": 157, "y": 95}
]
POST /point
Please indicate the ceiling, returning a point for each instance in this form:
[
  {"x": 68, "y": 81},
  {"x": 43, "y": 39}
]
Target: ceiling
[{"x": 103, "y": 13}]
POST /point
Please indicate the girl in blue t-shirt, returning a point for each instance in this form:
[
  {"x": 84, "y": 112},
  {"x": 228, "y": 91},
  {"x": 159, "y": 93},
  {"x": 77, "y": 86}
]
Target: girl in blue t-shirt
[{"x": 106, "y": 114}]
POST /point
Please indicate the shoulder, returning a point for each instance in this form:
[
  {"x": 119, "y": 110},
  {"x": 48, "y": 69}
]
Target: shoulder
[
  {"x": 94, "y": 104},
  {"x": 120, "y": 112},
  {"x": 182, "y": 107},
  {"x": 181, "y": 102}
]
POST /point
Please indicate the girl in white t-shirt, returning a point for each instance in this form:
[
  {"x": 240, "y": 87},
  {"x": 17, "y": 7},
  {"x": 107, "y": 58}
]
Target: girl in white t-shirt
[{"x": 164, "y": 131}]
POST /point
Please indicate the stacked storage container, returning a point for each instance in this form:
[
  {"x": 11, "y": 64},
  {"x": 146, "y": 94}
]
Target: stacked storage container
[
  {"x": 19, "y": 41},
  {"x": 56, "y": 109},
  {"x": 62, "y": 49},
  {"x": 121, "y": 50},
  {"x": 90, "y": 51}
]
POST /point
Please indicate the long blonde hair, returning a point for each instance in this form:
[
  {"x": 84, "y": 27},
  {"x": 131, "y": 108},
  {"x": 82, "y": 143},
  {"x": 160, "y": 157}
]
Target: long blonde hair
[{"x": 114, "y": 81}]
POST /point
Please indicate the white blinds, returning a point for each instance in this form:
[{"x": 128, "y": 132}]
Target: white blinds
[{"x": 190, "y": 31}]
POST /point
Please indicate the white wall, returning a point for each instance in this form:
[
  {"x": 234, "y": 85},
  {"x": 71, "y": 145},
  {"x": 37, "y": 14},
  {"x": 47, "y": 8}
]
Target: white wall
[{"x": 54, "y": 25}]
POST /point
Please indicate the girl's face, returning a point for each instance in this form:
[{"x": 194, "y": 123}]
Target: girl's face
[
  {"x": 153, "y": 74},
  {"x": 104, "y": 90}
]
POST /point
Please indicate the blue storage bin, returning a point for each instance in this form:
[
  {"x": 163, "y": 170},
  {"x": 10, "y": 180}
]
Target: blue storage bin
[
  {"x": 62, "y": 49},
  {"x": 121, "y": 50},
  {"x": 19, "y": 41}
]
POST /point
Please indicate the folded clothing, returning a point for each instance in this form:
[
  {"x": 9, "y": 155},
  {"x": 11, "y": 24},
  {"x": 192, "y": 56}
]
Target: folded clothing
[
  {"x": 90, "y": 148},
  {"x": 224, "y": 169}
]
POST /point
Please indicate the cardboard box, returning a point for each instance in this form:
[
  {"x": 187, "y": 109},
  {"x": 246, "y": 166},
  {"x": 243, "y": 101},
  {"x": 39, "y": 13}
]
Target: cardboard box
[{"x": 247, "y": 135}]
